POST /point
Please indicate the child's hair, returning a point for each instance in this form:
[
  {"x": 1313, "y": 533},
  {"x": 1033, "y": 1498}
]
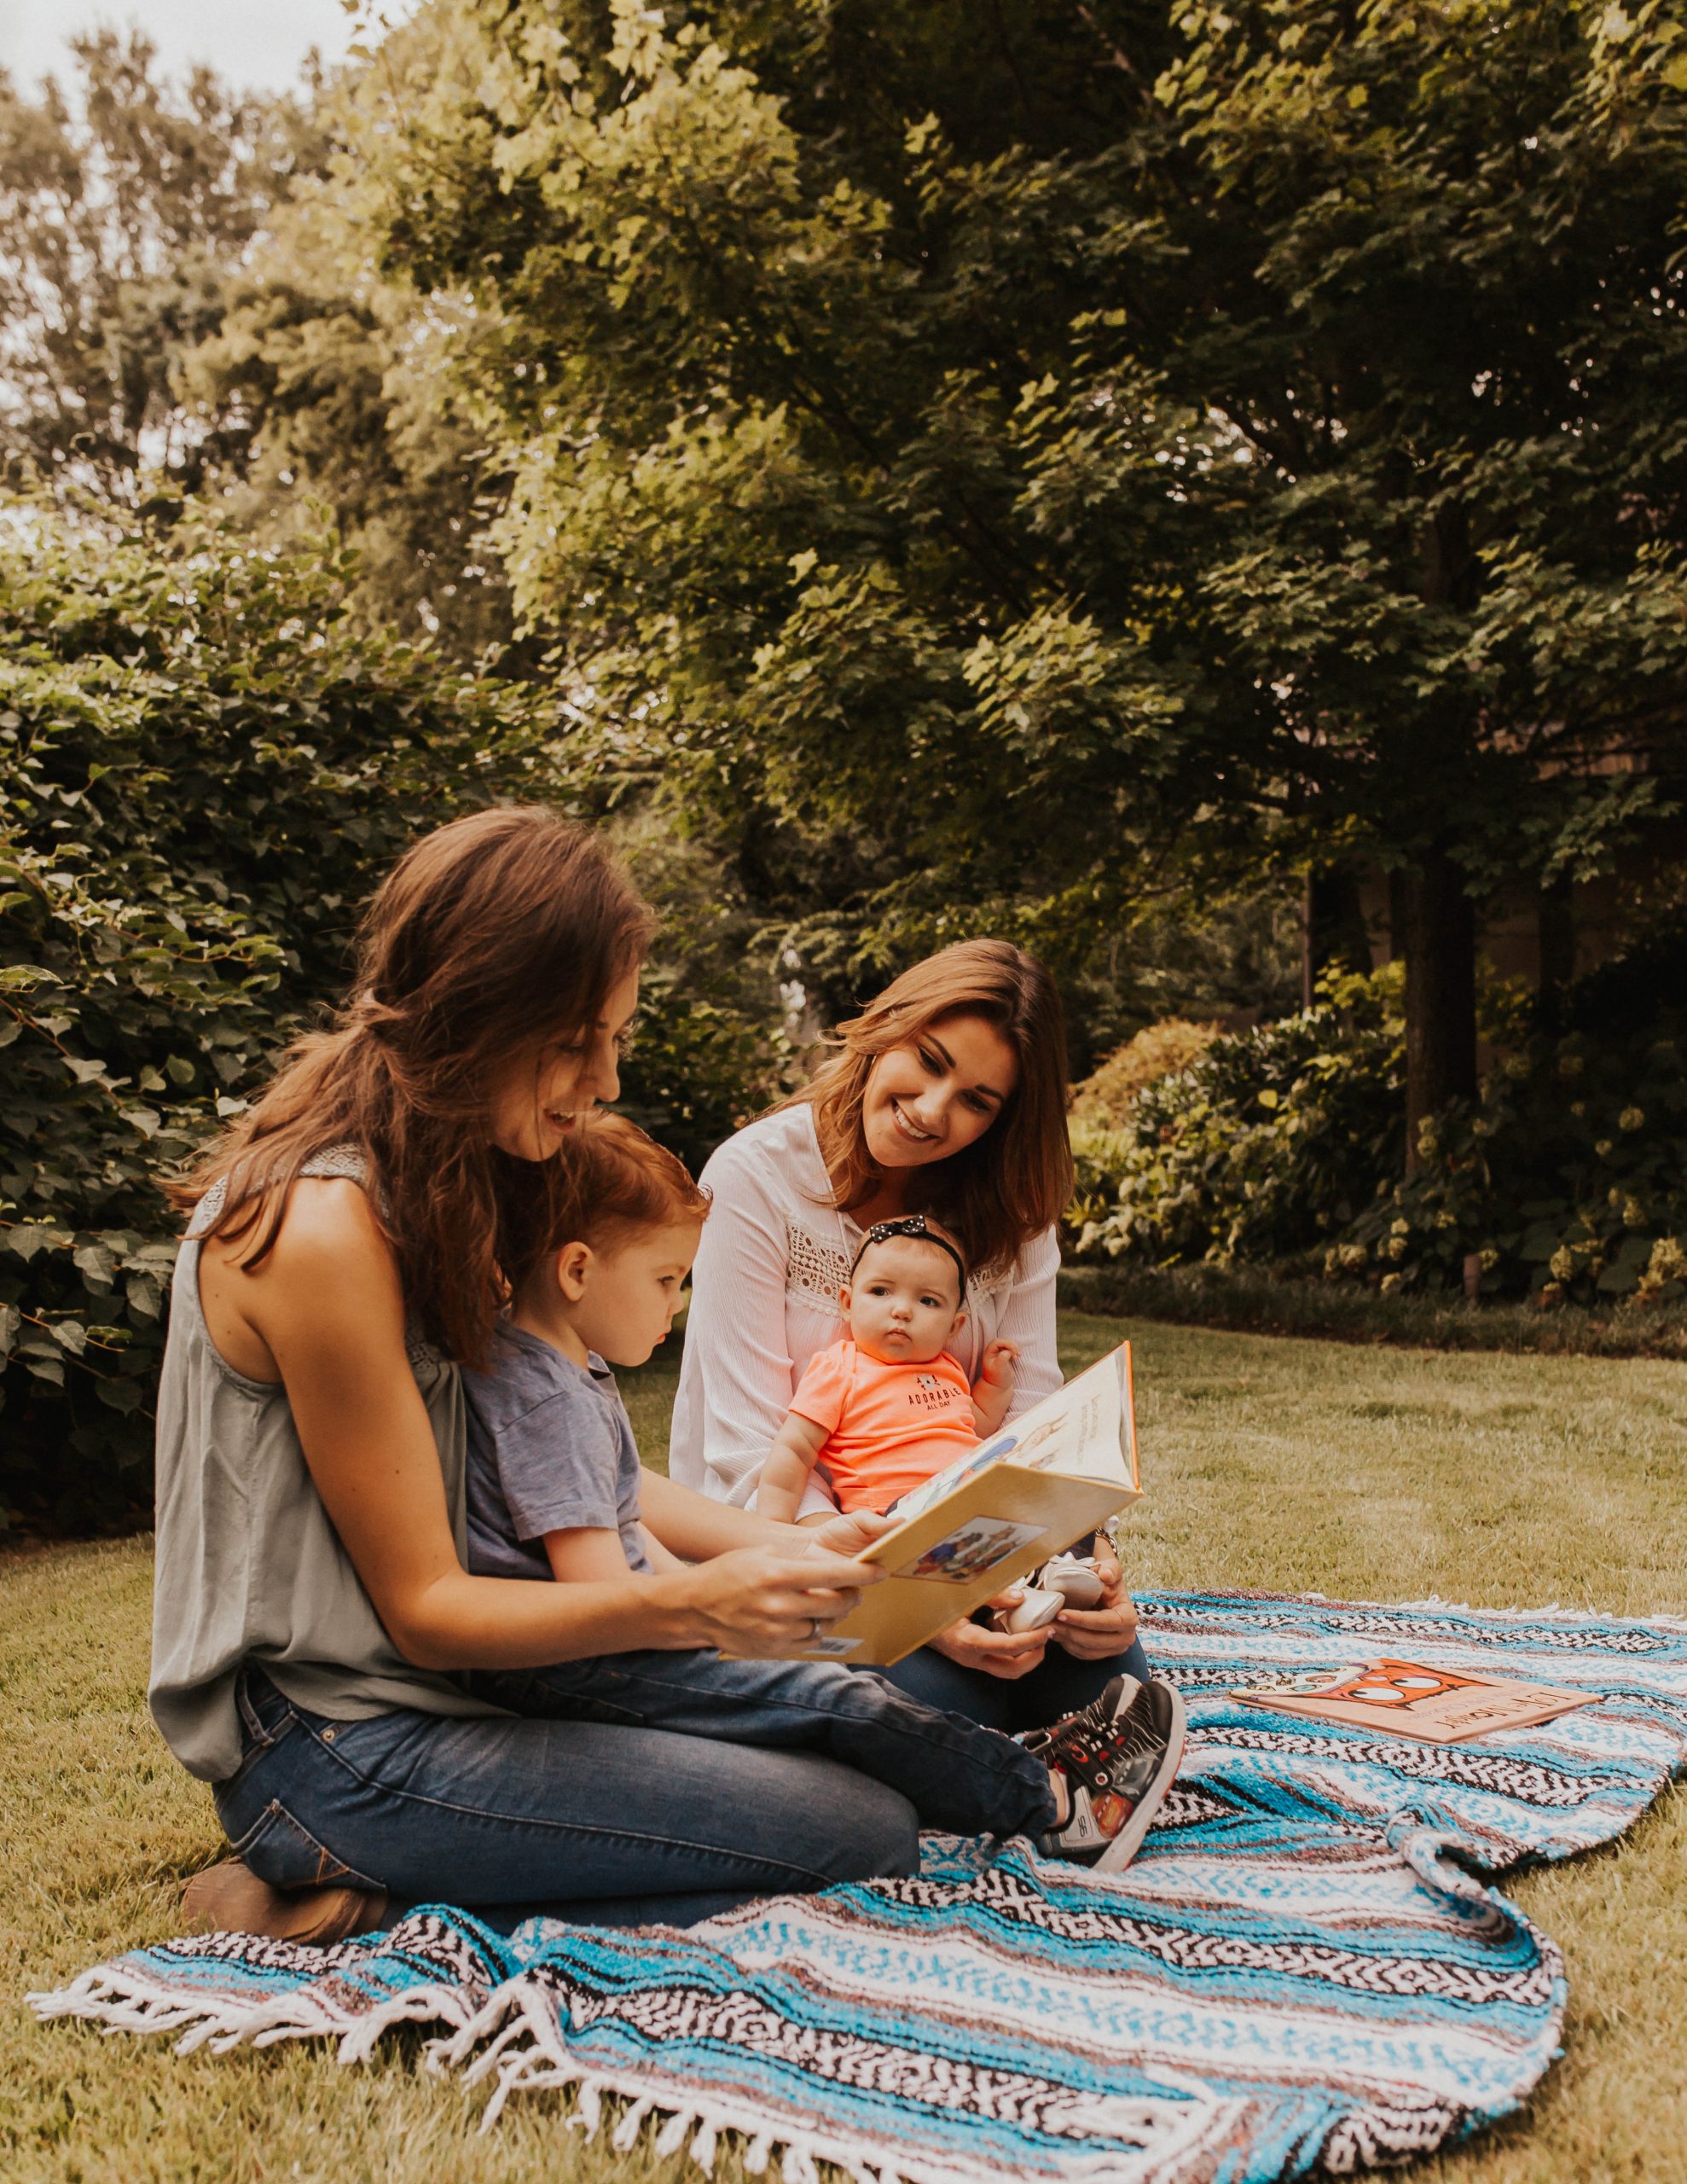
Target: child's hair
[
  {"x": 609, "y": 1180},
  {"x": 494, "y": 940}
]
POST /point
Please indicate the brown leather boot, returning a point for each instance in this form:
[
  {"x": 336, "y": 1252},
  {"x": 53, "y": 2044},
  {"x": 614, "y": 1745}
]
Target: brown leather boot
[{"x": 229, "y": 1897}]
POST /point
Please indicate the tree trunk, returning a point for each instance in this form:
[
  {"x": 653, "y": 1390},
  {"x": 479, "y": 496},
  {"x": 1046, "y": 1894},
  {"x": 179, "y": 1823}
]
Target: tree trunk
[
  {"x": 1439, "y": 932},
  {"x": 1332, "y": 927},
  {"x": 1557, "y": 954}
]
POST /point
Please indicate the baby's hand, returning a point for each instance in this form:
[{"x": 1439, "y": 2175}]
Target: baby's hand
[{"x": 997, "y": 1365}]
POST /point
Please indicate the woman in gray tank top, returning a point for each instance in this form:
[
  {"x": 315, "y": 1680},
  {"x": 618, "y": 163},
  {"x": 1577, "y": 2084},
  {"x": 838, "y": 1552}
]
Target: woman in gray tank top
[{"x": 313, "y": 1614}]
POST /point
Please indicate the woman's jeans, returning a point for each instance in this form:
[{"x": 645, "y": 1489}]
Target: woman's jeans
[
  {"x": 1057, "y": 1685},
  {"x": 784, "y": 1777}
]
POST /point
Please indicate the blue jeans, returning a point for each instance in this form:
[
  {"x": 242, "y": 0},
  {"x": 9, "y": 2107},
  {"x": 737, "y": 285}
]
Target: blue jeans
[
  {"x": 1057, "y": 1685},
  {"x": 592, "y": 1821},
  {"x": 955, "y": 1774}
]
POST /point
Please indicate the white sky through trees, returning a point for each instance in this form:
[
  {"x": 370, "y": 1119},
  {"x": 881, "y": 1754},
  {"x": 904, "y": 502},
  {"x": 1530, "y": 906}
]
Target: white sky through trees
[{"x": 257, "y": 44}]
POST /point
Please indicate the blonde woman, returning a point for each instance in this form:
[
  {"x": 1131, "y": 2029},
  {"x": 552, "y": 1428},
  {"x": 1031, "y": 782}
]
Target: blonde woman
[{"x": 947, "y": 1096}]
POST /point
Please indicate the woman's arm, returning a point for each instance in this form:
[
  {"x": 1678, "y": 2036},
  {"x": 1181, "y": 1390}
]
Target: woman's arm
[
  {"x": 1097, "y": 1634},
  {"x": 325, "y": 1310},
  {"x": 736, "y": 1378},
  {"x": 1028, "y": 1323}
]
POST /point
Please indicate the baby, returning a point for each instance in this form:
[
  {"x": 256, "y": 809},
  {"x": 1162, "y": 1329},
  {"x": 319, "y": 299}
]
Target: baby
[{"x": 889, "y": 1406}]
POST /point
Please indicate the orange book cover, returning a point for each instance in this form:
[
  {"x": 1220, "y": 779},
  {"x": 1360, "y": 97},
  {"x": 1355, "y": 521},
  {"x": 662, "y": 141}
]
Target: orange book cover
[{"x": 1410, "y": 1699}]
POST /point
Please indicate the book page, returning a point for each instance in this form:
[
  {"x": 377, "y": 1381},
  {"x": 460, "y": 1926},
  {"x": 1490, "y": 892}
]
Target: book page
[{"x": 1085, "y": 1430}]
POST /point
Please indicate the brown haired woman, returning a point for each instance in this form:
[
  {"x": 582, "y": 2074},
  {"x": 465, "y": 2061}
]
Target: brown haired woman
[
  {"x": 948, "y": 1096},
  {"x": 313, "y": 1614}
]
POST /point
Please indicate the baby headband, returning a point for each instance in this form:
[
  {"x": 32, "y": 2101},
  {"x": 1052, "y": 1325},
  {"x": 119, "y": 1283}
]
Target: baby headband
[{"x": 912, "y": 1224}]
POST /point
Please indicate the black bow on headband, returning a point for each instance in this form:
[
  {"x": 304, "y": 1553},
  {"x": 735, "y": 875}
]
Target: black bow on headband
[{"x": 911, "y": 1224}]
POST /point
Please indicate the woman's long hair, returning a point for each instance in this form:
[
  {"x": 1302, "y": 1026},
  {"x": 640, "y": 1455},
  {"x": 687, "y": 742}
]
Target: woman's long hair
[
  {"x": 1013, "y": 1181},
  {"x": 494, "y": 939}
]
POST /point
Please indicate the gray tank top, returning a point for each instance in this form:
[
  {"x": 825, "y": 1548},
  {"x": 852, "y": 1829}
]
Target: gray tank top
[{"x": 248, "y": 1566}]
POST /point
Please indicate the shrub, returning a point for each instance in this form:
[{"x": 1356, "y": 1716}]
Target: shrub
[
  {"x": 1104, "y": 1101},
  {"x": 699, "y": 1067},
  {"x": 1267, "y": 1143},
  {"x": 200, "y": 773},
  {"x": 1566, "y": 1181}
]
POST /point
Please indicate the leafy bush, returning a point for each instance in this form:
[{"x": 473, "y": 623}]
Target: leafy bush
[
  {"x": 709, "y": 1052},
  {"x": 1567, "y": 1181},
  {"x": 1271, "y": 1140},
  {"x": 201, "y": 774},
  {"x": 698, "y": 1066},
  {"x": 1105, "y": 1098}
]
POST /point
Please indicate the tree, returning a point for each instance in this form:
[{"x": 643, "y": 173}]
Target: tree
[
  {"x": 753, "y": 378},
  {"x": 352, "y": 412},
  {"x": 1007, "y": 463},
  {"x": 203, "y": 769},
  {"x": 121, "y": 211},
  {"x": 1420, "y": 301}
]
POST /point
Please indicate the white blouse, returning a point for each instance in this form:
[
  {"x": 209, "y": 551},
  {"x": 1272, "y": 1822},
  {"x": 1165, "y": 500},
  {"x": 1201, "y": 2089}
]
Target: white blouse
[{"x": 775, "y": 1252}]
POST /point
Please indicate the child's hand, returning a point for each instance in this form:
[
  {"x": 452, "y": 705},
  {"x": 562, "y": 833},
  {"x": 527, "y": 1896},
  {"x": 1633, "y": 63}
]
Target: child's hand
[{"x": 997, "y": 1365}]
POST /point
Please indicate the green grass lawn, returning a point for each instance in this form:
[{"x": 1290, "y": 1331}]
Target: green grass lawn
[{"x": 1392, "y": 1474}]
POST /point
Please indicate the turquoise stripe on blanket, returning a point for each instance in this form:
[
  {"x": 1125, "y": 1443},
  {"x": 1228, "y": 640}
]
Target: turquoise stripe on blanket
[{"x": 1298, "y": 1973}]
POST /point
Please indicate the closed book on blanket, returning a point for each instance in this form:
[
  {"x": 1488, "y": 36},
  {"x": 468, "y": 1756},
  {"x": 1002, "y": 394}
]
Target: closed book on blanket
[
  {"x": 1048, "y": 1478},
  {"x": 1412, "y": 1699}
]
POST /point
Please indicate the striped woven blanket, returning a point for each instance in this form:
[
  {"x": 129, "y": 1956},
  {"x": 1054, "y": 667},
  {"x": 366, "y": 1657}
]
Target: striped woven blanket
[{"x": 1299, "y": 1973}]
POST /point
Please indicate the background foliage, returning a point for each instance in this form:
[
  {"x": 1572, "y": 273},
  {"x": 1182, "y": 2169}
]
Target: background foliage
[
  {"x": 1567, "y": 1180},
  {"x": 1097, "y": 471},
  {"x": 203, "y": 769}
]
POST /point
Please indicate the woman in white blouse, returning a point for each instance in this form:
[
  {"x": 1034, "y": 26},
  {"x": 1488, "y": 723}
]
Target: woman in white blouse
[{"x": 948, "y": 1096}]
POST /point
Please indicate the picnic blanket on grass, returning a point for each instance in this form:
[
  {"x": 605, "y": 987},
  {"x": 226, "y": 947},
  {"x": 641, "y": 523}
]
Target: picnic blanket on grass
[{"x": 1297, "y": 1975}]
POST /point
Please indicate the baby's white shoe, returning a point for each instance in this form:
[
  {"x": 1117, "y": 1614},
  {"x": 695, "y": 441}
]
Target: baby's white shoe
[
  {"x": 1031, "y": 1612},
  {"x": 1077, "y": 1581},
  {"x": 1065, "y": 1581}
]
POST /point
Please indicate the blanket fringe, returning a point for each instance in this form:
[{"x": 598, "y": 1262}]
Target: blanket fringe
[
  {"x": 514, "y": 2039},
  {"x": 122, "y": 2000},
  {"x": 120, "y": 2004}
]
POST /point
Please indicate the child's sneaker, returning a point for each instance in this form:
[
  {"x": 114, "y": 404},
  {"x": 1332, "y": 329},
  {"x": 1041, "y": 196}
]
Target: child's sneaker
[{"x": 1117, "y": 1759}]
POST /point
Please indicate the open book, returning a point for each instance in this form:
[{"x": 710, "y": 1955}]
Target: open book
[
  {"x": 1409, "y": 1699},
  {"x": 1046, "y": 1479}
]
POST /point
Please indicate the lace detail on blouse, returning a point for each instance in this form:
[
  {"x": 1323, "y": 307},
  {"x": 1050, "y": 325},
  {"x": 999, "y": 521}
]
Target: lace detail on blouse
[{"x": 815, "y": 1267}]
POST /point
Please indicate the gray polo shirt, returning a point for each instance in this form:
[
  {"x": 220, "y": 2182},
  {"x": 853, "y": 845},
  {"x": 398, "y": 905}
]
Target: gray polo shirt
[{"x": 550, "y": 1449}]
